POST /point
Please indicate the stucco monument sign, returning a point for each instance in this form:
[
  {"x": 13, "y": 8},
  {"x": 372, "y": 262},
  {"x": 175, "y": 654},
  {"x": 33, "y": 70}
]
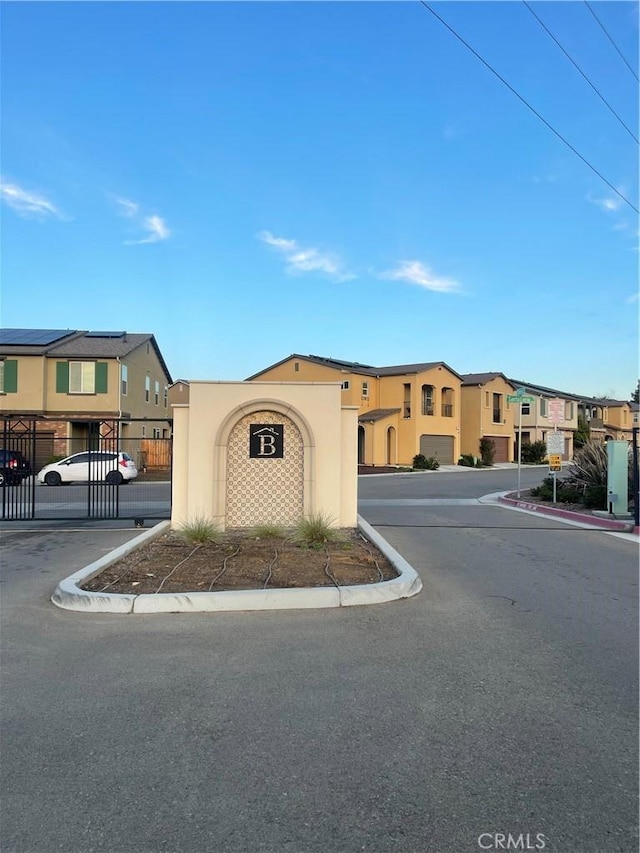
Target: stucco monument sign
[{"x": 249, "y": 453}]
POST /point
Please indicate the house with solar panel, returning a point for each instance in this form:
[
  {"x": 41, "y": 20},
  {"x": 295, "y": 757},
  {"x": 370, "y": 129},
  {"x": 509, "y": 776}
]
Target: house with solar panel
[
  {"x": 73, "y": 387},
  {"x": 403, "y": 409}
]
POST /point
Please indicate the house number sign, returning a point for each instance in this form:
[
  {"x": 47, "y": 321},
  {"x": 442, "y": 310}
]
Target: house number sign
[{"x": 266, "y": 441}]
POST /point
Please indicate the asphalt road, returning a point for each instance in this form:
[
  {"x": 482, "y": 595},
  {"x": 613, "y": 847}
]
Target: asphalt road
[{"x": 502, "y": 699}]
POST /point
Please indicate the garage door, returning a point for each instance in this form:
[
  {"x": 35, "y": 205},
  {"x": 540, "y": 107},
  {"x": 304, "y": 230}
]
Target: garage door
[
  {"x": 438, "y": 446},
  {"x": 501, "y": 443}
]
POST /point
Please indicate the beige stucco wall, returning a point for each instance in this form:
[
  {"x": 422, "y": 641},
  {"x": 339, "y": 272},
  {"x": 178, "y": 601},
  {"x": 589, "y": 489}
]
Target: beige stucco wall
[
  {"x": 29, "y": 396},
  {"x": 202, "y": 429}
]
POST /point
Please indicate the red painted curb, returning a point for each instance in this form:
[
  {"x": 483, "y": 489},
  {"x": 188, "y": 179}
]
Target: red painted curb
[{"x": 600, "y": 523}]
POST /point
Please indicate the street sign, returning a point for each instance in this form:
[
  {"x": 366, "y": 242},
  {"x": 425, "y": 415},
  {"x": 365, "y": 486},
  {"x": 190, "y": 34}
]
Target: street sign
[
  {"x": 555, "y": 462},
  {"x": 555, "y": 443},
  {"x": 519, "y": 398},
  {"x": 556, "y": 411}
]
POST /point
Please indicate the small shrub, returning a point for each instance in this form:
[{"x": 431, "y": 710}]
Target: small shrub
[
  {"x": 487, "y": 451},
  {"x": 595, "y": 497},
  {"x": 199, "y": 530},
  {"x": 315, "y": 531},
  {"x": 268, "y": 531},
  {"x": 544, "y": 491},
  {"x": 425, "y": 463},
  {"x": 534, "y": 453},
  {"x": 55, "y": 458},
  {"x": 467, "y": 460},
  {"x": 566, "y": 493}
]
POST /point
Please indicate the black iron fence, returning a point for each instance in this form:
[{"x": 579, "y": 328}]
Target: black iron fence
[{"x": 80, "y": 469}]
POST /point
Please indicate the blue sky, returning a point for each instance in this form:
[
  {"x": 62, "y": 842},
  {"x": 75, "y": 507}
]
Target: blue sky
[{"x": 247, "y": 180}]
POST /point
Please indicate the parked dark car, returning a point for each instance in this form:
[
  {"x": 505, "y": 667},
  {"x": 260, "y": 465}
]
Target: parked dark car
[{"x": 14, "y": 467}]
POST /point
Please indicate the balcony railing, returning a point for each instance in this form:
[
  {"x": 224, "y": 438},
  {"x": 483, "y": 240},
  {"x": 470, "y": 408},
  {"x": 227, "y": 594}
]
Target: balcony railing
[
  {"x": 428, "y": 409},
  {"x": 406, "y": 411},
  {"x": 447, "y": 410}
]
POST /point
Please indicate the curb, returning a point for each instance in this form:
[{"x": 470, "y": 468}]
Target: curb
[
  {"x": 592, "y": 521},
  {"x": 69, "y": 596}
]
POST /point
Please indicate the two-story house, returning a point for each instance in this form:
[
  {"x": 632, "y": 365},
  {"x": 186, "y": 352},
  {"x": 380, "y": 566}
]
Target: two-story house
[
  {"x": 73, "y": 383},
  {"x": 537, "y": 420},
  {"x": 403, "y": 409},
  {"x": 486, "y": 414},
  {"x": 607, "y": 418}
]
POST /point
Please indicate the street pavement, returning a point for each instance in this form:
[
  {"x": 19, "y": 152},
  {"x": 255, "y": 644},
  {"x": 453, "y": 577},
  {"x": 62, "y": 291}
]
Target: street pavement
[{"x": 501, "y": 700}]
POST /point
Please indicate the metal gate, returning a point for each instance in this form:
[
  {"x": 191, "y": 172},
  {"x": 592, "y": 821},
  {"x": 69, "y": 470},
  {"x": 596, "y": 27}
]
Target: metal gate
[{"x": 89, "y": 465}]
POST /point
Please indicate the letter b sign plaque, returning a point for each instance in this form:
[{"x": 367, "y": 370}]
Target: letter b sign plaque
[{"x": 266, "y": 441}]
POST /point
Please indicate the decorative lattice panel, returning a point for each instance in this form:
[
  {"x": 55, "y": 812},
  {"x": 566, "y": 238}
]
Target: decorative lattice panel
[{"x": 264, "y": 491}]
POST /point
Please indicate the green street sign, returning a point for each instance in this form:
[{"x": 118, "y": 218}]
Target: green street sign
[{"x": 519, "y": 398}]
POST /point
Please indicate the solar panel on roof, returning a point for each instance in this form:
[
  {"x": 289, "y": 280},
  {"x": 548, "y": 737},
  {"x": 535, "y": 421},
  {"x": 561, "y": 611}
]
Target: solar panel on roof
[
  {"x": 105, "y": 334},
  {"x": 32, "y": 337}
]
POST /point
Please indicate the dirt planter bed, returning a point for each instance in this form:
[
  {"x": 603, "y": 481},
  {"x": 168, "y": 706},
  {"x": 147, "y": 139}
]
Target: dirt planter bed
[{"x": 160, "y": 572}]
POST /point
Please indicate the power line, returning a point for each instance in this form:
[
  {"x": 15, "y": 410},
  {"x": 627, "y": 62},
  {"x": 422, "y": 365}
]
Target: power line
[
  {"x": 602, "y": 27},
  {"x": 577, "y": 67},
  {"x": 528, "y": 105}
]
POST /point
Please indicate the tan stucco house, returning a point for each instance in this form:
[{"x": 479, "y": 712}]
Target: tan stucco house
[
  {"x": 536, "y": 420},
  {"x": 403, "y": 409},
  {"x": 609, "y": 418},
  {"x": 70, "y": 382},
  {"x": 486, "y": 414}
]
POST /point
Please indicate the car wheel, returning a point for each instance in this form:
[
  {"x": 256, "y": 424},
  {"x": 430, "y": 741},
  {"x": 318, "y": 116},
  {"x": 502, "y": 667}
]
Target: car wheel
[
  {"x": 3, "y": 479},
  {"x": 52, "y": 478},
  {"x": 114, "y": 478}
]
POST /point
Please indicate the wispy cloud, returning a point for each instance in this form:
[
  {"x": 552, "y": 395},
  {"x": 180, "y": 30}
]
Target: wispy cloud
[
  {"x": 302, "y": 260},
  {"x": 157, "y": 231},
  {"x": 633, "y": 298},
  {"x": 127, "y": 208},
  {"x": 415, "y": 272},
  {"x": 26, "y": 203},
  {"x": 608, "y": 204},
  {"x": 154, "y": 226}
]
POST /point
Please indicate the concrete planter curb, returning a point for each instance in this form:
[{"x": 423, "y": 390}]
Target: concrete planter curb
[
  {"x": 593, "y": 521},
  {"x": 69, "y": 596}
]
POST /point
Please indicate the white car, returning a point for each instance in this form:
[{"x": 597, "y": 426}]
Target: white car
[{"x": 99, "y": 466}]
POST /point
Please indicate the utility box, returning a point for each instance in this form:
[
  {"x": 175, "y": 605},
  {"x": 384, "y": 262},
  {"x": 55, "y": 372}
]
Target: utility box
[{"x": 617, "y": 475}]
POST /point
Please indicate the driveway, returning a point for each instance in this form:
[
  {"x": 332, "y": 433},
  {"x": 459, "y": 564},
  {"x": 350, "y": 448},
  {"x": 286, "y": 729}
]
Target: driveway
[{"x": 502, "y": 699}]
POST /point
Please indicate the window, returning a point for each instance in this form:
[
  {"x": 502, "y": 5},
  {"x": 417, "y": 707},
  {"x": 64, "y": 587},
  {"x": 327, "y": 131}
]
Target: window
[
  {"x": 447, "y": 402},
  {"x": 526, "y": 408},
  {"x": 497, "y": 408},
  {"x": 345, "y": 385},
  {"x": 82, "y": 377},
  {"x": 156, "y": 432},
  {"x": 406, "y": 403},
  {"x": 365, "y": 390},
  {"x": 543, "y": 407},
  {"x": 427, "y": 400},
  {"x": 165, "y": 396},
  {"x": 296, "y": 366},
  {"x": 1, "y": 377},
  {"x": 486, "y": 399},
  {"x": 156, "y": 393},
  {"x": 568, "y": 411},
  {"x": 124, "y": 373},
  {"x": 144, "y": 432},
  {"x": 147, "y": 388}
]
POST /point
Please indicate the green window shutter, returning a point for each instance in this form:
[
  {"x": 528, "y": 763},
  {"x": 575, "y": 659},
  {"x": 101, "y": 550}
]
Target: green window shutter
[
  {"x": 62, "y": 377},
  {"x": 10, "y": 376},
  {"x": 101, "y": 377}
]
